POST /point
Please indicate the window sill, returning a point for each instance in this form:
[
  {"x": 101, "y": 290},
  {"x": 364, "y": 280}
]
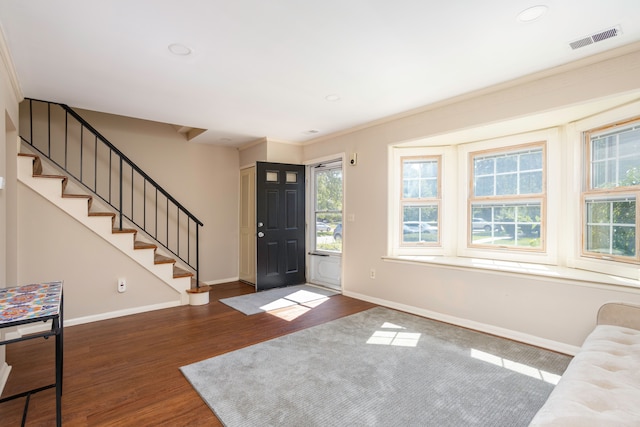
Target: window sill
[{"x": 545, "y": 272}]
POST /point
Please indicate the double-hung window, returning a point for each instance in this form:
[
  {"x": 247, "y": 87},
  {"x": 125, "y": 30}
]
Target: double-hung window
[
  {"x": 564, "y": 196},
  {"x": 506, "y": 204},
  {"x": 420, "y": 201},
  {"x": 610, "y": 192}
]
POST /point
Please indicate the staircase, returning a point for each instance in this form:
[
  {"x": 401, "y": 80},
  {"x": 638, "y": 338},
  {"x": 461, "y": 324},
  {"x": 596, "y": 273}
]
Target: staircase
[
  {"x": 112, "y": 216},
  {"x": 53, "y": 187}
]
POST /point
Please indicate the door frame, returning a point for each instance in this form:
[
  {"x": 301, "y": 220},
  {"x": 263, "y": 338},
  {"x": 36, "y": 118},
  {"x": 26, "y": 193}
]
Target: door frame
[
  {"x": 310, "y": 216},
  {"x": 247, "y": 220}
]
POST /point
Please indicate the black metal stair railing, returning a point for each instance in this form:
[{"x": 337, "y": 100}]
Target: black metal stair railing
[{"x": 59, "y": 133}]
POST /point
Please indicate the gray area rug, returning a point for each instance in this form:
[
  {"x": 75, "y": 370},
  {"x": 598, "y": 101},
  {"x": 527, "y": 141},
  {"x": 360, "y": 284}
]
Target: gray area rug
[
  {"x": 274, "y": 299},
  {"x": 380, "y": 367}
]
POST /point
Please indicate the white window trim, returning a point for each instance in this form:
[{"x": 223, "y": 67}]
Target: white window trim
[
  {"x": 564, "y": 156},
  {"x": 447, "y": 187},
  {"x": 552, "y": 164},
  {"x": 455, "y": 170},
  {"x": 575, "y": 162}
]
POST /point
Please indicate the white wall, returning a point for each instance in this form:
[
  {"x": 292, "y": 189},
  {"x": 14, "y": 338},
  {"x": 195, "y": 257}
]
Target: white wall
[
  {"x": 10, "y": 95},
  {"x": 54, "y": 246},
  {"x": 266, "y": 150},
  {"x": 254, "y": 152},
  {"x": 281, "y": 152},
  {"x": 555, "y": 314},
  {"x": 204, "y": 178}
]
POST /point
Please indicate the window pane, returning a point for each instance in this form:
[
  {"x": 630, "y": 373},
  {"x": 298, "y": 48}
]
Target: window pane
[
  {"x": 328, "y": 235},
  {"x": 531, "y": 182},
  {"x": 516, "y": 225},
  {"x": 429, "y": 169},
  {"x": 629, "y": 172},
  {"x": 598, "y": 212},
  {"x": 484, "y": 186},
  {"x": 630, "y": 143},
  {"x": 611, "y": 226},
  {"x": 512, "y": 173},
  {"x": 530, "y": 161},
  {"x": 419, "y": 178},
  {"x": 411, "y": 189},
  {"x": 506, "y": 184},
  {"x": 506, "y": 164},
  {"x": 272, "y": 176},
  {"x": 328, "y": 209},
  {"x": 600, "y": 174},
  {"x": 428, "y": 188},
  {"x": 292, "y": 177},
  {"x": 624, "y": 212},
  {"x": 601, "y": 148},
  {"x": 615, "y": 158},
  {"x": 329, "y": 190},
  {"x": 410, "y": 170},
  {"x": 483, "y": 166},
  {"x": 598, "y": 239},
  {"x": 420, "y": 223}
]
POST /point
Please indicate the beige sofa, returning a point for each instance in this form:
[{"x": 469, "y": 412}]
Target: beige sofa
[{"x": 601, "y": 386}]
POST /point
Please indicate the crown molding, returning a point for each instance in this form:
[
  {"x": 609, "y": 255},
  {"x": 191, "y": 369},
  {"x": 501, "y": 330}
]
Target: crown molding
[{"x": 618, "y": 52}]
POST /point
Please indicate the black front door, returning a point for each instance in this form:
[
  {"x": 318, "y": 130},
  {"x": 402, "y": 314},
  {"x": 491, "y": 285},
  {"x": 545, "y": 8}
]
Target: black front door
[{"x": 280, "y": 225}]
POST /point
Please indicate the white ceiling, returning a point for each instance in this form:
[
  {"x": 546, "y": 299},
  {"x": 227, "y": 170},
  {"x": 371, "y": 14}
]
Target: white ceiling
[{"x": 263, "y": 68}]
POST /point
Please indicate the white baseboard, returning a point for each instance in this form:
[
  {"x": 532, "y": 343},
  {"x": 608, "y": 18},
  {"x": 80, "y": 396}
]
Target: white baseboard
[
  {"x": 4, "y": 375},
  {"x": 217, "y": 282},
  {"x": 103, "y": 316},
  {"x": 470, "y": 324},
  {"x": 120, "y": 313},
  {"x": 89, "y": 319}
]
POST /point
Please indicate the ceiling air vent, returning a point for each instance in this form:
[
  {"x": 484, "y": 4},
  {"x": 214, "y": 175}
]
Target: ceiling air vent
[{"x": 594, "y": 38}]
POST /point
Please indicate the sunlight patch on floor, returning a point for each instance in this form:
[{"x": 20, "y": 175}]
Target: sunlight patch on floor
[
  {"x": 515, "y": 366},
  {"x": 293, "y": 312},
  {"x": 387, "y": 336},
  {"x": 276, "y": 304}
]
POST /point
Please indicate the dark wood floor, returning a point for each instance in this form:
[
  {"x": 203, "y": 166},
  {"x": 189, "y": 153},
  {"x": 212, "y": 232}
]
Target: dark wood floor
[{"x": 124, "y": 371}]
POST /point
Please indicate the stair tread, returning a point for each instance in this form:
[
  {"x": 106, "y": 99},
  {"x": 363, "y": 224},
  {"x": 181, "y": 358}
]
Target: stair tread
[
  {"x": 111, "y": 214},
  {"x": 143, "y": 245},
  {"x": 179, "y": 272},
  {"x": 124, "y": 230},
  {"x": 201, "y": 289},
  {"x": 40, "y": 175},
  {"x": 194, "y": 289},
  {"x": 161, "y": 259},
  {"x": 76, "y": 196}
]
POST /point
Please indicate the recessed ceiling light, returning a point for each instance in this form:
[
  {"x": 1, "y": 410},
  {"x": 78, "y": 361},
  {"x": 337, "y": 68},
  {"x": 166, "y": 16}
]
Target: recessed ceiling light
[
  {"x": 313, "y": 131},
  {"x": 332, "y": 98},
  {"x": 532, "y": 13},
  {"x": 225, "y": 140},
  {"x": 179, "y": 49}
]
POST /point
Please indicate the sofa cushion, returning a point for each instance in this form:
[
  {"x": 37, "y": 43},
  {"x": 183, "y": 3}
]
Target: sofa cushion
[{"x": 601, "y": 386}]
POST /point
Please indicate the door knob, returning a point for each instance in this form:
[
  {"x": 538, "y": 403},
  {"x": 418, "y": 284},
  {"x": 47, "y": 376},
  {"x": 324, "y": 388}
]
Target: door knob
[
  {"x": 260, "y": 234},
  {"x": 260, "y": 224}
]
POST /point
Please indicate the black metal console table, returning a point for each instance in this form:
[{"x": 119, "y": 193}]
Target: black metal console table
[{"x": 41, "y": 302}]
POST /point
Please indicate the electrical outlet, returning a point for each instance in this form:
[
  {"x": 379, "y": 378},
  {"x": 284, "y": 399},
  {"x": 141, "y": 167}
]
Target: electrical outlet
[
  {"x": 122, "y": 285},
  {"x": 372, "y": 274}
]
